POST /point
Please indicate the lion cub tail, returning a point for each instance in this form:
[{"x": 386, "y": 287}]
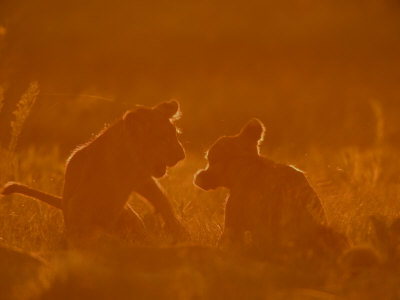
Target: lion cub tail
[{"x": 15, "y": 187}]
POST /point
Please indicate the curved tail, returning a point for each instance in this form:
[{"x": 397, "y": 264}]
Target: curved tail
[{"x": 15, "y": 187}]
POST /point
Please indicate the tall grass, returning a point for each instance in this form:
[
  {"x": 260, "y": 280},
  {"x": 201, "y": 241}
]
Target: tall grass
[
  {"x": 353, "y": 184},
  {"x": 9, "y": 165},
  {"x": 22, "y": 112},
  {"x": 23, "y": 221}
]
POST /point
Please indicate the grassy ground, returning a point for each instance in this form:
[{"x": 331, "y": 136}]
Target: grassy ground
[{"x": 353, "y": 184}]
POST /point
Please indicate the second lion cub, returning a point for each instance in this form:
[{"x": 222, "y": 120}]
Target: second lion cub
[{"x": 273, "y": 202}]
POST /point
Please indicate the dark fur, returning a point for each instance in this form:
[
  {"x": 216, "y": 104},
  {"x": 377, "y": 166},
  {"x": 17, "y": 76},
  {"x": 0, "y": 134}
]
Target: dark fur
[
  {"x": 273, "y": 202},
  {"x": 101, "y": 174}
]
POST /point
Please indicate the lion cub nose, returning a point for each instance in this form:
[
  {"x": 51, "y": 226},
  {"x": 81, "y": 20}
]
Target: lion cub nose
[
  {"x": 200, "y": 179},
  {"x": 181, "y": 154},
  {"x": 177, "y": 157}
]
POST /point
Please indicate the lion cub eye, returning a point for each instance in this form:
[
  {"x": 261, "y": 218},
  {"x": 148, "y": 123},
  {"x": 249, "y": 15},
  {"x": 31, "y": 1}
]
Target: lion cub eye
[{"x": 167, "y": 138}]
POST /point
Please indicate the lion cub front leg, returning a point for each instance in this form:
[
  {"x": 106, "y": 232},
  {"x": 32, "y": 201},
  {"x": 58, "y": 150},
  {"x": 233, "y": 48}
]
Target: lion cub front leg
[
  {"x": 233, "y": 234},
  {"x": 152, "y": 191},
  {"x": 129, "y": 223}
]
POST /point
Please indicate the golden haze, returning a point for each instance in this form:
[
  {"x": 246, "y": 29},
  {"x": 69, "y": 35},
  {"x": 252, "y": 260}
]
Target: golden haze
[{"x": 321, "y": 75}]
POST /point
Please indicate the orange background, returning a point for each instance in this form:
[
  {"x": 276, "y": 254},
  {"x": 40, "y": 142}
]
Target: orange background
[{"x": 307, "y": 68}]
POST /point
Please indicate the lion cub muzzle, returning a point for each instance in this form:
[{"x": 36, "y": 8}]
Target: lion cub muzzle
[{"x": 205, "y": 179}]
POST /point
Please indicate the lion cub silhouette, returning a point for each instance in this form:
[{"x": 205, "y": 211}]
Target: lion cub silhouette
[
  {"x": 100, "y": 174},
  {"x": 273, "y": 202}
]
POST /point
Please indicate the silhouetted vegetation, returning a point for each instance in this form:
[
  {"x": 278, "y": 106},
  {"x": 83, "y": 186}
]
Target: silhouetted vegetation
[{"x": 321, "y": 75}]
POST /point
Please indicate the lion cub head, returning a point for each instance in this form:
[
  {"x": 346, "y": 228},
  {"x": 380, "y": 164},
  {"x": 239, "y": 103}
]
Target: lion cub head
[
  {"x": 154, "y": 137},
  {"x": 226, "y": 152}
]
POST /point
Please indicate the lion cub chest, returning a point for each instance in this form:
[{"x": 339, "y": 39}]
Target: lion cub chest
[
  {"x": 276, "y": 197},
  {"x": 94, "y": 178}
]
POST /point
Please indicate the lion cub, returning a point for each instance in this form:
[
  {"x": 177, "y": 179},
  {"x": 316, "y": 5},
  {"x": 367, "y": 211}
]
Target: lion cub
[
  {"x": 272, "y": 202},
  {"x": 100, "y": 174}
]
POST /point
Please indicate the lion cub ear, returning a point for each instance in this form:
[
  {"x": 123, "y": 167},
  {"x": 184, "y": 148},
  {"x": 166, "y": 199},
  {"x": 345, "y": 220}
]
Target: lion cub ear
[
  {"x": 253, "y": 131},
  {"x": 168, "y": 108}
]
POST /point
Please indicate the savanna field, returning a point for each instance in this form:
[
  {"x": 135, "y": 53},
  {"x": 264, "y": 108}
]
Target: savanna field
[{"x": 323, "y": 79}]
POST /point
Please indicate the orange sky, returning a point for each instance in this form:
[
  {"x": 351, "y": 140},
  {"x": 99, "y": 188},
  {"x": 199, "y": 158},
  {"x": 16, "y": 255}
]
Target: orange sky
[{"x": 295, "y": 65}]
